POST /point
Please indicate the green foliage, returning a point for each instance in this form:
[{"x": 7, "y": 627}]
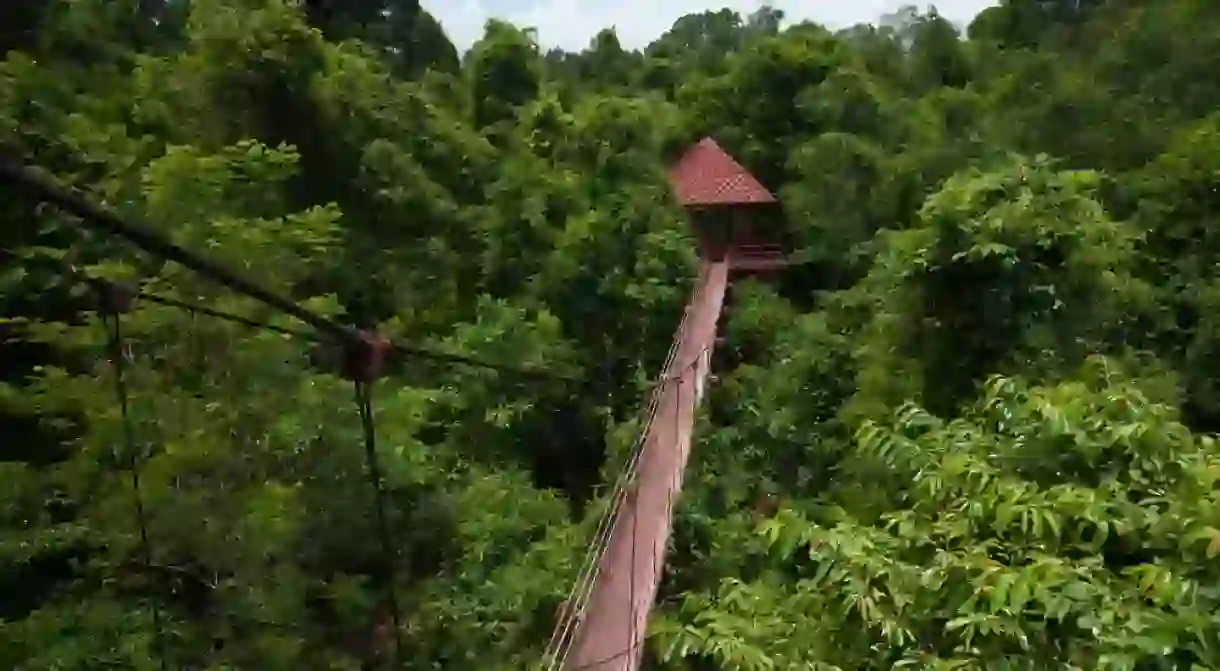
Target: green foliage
[
  {"x": 505, "y": 73},
  {"x": 1019, "y": 266},
  {"x": 1071, "y": 524},
  {"x": 968, "y": 429}
]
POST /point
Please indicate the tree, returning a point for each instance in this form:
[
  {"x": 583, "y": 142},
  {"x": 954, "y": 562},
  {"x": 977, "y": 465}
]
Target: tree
[
  {"x": 408, "y": 37},
  {"x": 968, "y": 429},
  {"x": 505, "y": 73}
]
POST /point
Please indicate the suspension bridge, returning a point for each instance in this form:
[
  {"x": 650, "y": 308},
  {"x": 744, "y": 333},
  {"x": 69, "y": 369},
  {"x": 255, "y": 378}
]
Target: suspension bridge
[{"x": 603, "y": 622}]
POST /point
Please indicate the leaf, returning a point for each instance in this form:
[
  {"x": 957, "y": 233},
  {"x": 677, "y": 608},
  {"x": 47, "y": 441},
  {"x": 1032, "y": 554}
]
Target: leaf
[
  {"x": 1213, "y": 547},
  {"x": 1052, "y": 521},
  {"x": 822, "y": 572},
  {"x": 1020, "y": 593},
  {"x": 999, "y": 592}
]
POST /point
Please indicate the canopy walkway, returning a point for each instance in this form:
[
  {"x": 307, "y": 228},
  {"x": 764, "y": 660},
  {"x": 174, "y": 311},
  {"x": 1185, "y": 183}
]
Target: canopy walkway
[{"x": 604, "y": 620}]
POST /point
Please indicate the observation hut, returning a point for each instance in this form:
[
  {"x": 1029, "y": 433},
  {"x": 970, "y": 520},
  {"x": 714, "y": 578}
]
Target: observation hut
[{"x": 728, "y": 208}]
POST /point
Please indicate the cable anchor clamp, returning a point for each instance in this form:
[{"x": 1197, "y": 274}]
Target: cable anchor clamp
[
  {"x": 113, "y": 298},
  {"x": 365, "y": 355}
]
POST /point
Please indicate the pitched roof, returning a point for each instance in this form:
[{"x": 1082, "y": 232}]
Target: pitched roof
[{"x": 707, "y": 175}]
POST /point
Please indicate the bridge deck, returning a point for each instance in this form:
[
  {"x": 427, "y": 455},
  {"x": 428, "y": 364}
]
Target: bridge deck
[{"x": 611, "y": 634}]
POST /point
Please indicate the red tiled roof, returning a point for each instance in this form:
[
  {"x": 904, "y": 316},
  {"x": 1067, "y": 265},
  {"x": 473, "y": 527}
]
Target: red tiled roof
[{"x": 707, "y": 175}]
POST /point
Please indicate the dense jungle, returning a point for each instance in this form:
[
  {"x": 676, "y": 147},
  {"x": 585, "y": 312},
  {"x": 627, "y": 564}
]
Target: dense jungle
[{"x": 971, "y": 428}]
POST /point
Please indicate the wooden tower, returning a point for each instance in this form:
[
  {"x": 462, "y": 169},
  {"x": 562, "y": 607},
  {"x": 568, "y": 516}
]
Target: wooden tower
[
  {"x": 729, "y": 211},
  {"x": 728, "y": 208}
]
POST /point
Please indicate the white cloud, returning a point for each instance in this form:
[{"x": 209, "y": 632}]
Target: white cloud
[{"x": 572, "y": 23}]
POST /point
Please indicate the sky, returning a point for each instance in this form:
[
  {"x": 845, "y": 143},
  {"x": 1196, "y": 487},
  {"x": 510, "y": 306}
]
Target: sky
[{"x": 570, "y": 24}]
